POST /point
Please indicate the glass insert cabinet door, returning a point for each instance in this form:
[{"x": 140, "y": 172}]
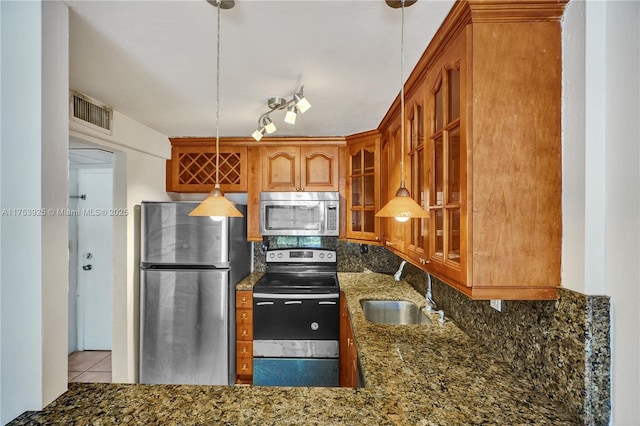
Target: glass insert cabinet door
[
  {"x": 362, "y": 204},
  {"x": 445, "y": 197}
]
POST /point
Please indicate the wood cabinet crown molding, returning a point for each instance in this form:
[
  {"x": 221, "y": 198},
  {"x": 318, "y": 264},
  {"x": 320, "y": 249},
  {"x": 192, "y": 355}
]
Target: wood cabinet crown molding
[
  {"x": 266, "y": 141},
  {"x": 516, "y": 11}
]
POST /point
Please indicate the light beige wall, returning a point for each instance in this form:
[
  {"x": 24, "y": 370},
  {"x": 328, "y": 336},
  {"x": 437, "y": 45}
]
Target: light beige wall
[
  {"x": 55, "y": 227},
  {"x": 33, "y": 279},
  {"x": 601, "y": 177}
]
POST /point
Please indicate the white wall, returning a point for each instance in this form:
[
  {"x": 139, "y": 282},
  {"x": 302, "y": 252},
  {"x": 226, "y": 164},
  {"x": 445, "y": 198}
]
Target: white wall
[
  {"x": 55, "y": 195},
  {"x": 601, "y": 177},
  {"x": 33, "y": 174},
  {"x": 33, "y": 278},
  {"x": 139, "y": 169}
]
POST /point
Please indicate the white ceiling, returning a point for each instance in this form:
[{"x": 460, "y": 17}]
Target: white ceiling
[{"x": 155, "y": 61}]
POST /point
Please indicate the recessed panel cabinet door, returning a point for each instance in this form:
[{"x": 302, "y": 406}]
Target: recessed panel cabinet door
[
  {"x": 281, "y": 167},
  {"x": 319, "y": 168},
  {"x": 296, "y": 168}
]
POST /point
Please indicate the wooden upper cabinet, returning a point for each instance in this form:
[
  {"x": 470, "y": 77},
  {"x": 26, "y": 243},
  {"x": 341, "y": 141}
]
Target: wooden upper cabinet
[
  {"x": 281, "y": 168},
  {"x": 319, "y": 168},
  {"x": 363, "y": 187},
  {"x": 300, "y": 168},
  {"x": 491, "y": 79},
  {"x": 448, "y": 196},
  {"x": 192, "y": 167},
  {"x": 415, "y": 119}
]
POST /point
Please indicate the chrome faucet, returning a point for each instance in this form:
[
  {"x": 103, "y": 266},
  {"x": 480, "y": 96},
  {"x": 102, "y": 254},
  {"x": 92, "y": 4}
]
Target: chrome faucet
[
  {"x": 432, "y": 306},
  {"x": 398, "y": 273}
]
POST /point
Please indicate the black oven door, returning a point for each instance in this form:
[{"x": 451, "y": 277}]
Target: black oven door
[{"x": 296, "y": 316}]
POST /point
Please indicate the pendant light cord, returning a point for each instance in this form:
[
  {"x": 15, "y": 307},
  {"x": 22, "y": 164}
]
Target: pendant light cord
[
  {"x": 402, "y": 185},
  {"x": 217, "y": 185}
]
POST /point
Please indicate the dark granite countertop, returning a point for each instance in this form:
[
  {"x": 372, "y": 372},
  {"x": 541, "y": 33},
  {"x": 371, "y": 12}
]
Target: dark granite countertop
[{"x": 414, "y": 375}]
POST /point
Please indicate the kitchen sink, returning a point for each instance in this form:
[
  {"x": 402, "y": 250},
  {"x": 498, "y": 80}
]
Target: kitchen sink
[{"x": 393, "y": 312}]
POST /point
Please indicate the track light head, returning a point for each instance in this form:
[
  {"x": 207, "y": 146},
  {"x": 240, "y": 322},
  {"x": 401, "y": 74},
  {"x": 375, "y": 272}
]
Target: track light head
[
  {"x": 292, "y": 112},
  {"x": 258, "y": 134},
  {"x": 268, "y": 124},
  {"x": 301, "y": 102}
]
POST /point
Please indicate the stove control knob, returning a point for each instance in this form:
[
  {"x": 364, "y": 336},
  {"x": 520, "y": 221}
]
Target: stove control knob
[
  {"x": 315, "y": 326},
  {"x": 321, "y": 255},
  {"x": 272, "y": 255},
  {"x": 279, "y": 255},
  {"x": 329, "y": 255}
]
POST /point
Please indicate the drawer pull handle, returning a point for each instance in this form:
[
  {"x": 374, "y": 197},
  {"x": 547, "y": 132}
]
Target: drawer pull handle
[
  {"x": 327, "y": 303},
  {"x": 293, "y": 302},
  {"x": 264, "y": 303}
]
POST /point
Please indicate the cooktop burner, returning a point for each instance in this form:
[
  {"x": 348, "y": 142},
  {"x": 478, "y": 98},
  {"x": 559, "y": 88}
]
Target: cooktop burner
[{"x": 299, "y": 271}]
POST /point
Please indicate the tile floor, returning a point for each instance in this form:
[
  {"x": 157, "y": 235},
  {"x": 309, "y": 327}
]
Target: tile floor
[{"x": 90, "y": 367}]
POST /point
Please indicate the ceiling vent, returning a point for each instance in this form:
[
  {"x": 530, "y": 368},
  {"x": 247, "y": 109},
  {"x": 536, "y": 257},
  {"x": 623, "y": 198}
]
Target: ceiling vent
[{"x": 91, "y": 112}]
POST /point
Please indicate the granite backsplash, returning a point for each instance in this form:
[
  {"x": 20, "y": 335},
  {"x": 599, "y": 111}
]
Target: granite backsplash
[{"x": 562, "y": 346}]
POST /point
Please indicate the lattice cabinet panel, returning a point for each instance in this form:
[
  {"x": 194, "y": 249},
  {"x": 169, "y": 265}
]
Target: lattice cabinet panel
[{"x": 192, "y": 167}]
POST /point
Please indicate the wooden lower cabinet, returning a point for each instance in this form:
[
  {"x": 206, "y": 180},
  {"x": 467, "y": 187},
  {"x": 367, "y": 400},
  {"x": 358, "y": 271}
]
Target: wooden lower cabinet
[
  {"x": 348, "y": 351},
  {"x": 244, "y": 337}
]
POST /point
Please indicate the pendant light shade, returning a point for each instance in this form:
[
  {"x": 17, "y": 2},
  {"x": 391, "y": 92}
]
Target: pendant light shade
[
  {"x": 216, "y": 205},
  {"x": 402, "y": 207}
]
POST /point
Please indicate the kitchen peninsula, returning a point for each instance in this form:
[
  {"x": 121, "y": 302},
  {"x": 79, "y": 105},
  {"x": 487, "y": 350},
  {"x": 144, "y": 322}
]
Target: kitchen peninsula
[{"x": 413, "y": 375}]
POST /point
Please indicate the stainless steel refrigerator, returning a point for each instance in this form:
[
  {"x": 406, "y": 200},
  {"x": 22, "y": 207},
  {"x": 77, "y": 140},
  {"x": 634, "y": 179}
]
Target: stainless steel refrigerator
[{"x": 189, "y": 267}]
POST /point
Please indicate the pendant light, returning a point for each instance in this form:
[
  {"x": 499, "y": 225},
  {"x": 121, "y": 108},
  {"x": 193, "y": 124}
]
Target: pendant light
[
  {"x": 402, "y": 206},
  {"x": 216, "y": 204}
]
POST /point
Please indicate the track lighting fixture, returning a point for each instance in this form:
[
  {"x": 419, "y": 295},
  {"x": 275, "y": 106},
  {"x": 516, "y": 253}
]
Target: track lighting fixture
[{"x": 298, "y": 103}]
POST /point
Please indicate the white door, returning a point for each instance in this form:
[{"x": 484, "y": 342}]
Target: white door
[{"x": 95, "y": 259}]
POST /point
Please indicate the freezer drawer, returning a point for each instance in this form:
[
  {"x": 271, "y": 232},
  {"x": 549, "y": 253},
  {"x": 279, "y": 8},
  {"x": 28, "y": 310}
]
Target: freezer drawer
[
  {"x": 185, "y": 327},
  {"x": 170, "y": 236}
]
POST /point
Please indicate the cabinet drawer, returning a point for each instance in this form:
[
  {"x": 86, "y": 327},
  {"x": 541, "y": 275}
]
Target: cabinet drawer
[
  {"x": 244, "y": 349},
  {"x": 244, "y": 366},
  {"x": 244, "y": 332},
  {"x": 244, "y": 316},
  {"x": 244, "y": 299}
]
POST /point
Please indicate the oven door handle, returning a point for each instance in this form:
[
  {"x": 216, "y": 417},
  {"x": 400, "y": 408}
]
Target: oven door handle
[{"x": 295, "y": 296}]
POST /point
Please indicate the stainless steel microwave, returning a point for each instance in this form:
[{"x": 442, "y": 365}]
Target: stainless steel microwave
[{"x": 300, "y": 213}]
